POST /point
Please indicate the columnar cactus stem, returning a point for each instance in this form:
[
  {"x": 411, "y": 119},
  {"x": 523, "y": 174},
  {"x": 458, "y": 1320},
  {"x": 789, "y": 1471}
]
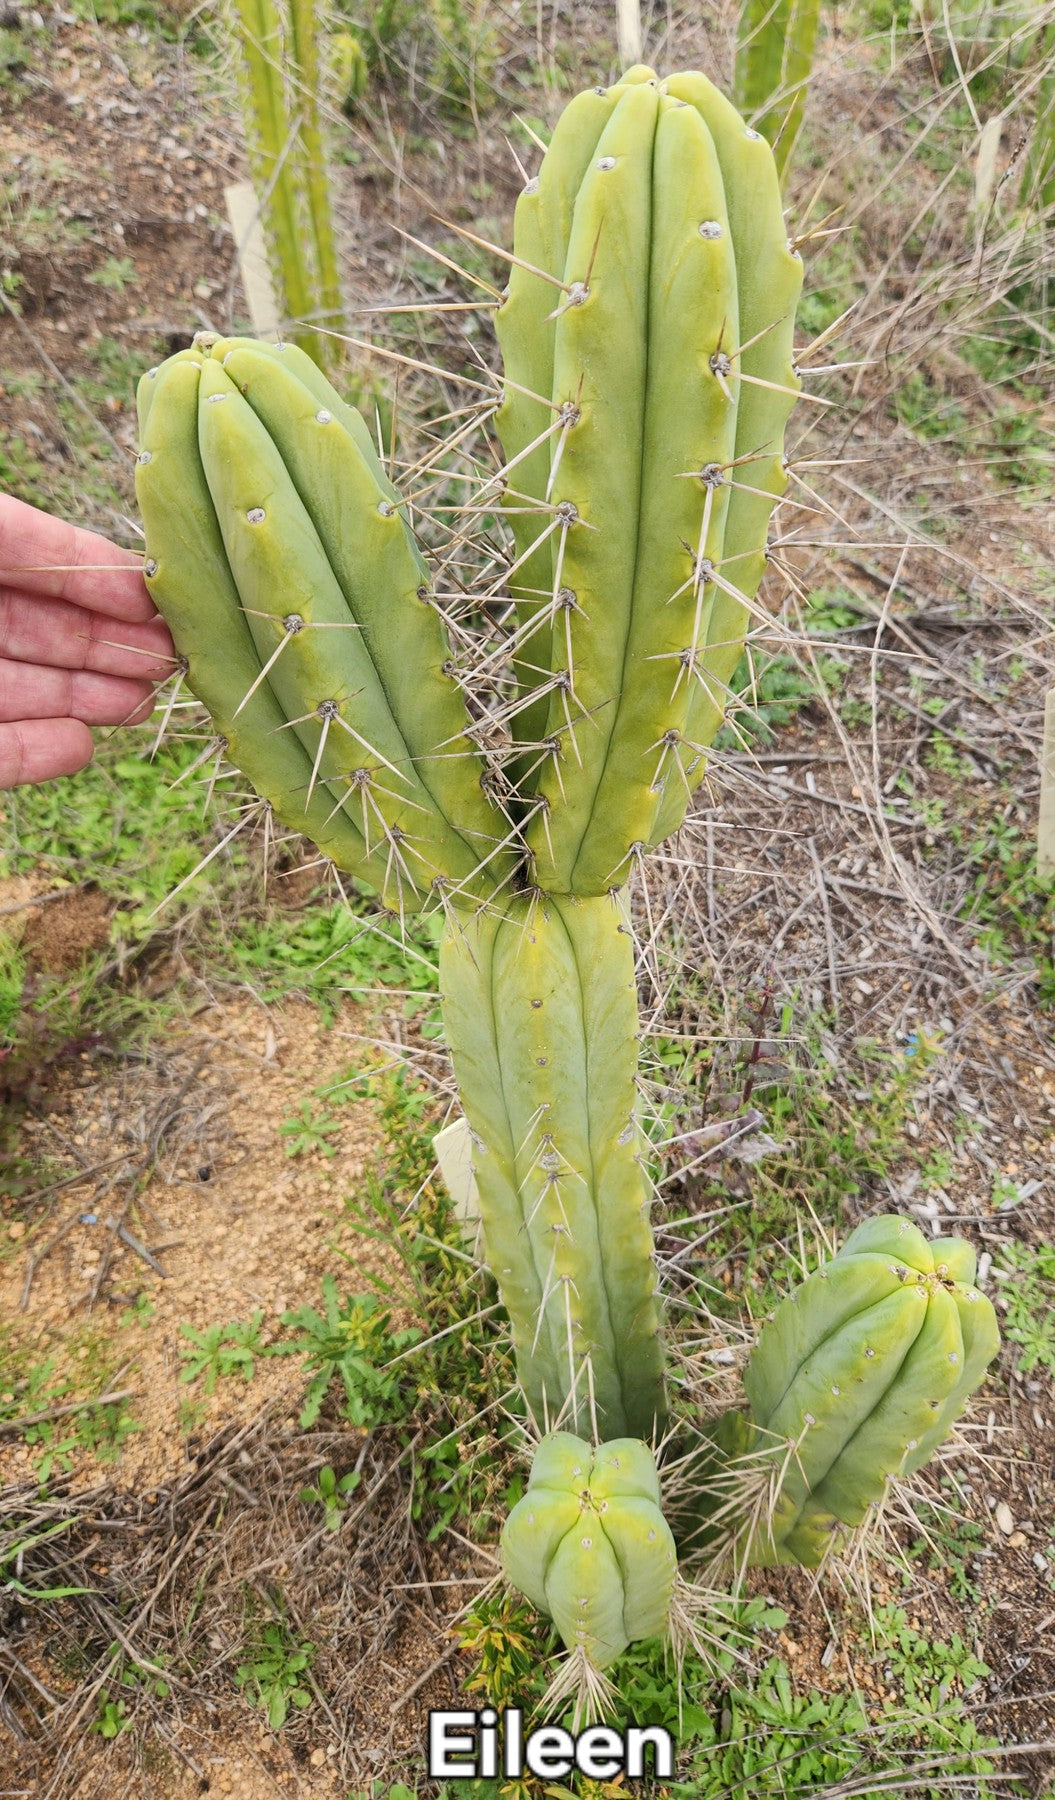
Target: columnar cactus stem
[
  {"x": 306, "y": 72},
  {"x": 774, "y": 56},
  {"x": 646, "y": 340},
  {"x": 287, "y": 159},
  {"x": 540, "y": 1011},
  {"x": 298, "y": 597}
]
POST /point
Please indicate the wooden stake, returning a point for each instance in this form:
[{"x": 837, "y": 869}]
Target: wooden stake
[
  {"x": 243, "y": 210},
  {"x": 628, "y": 14}
]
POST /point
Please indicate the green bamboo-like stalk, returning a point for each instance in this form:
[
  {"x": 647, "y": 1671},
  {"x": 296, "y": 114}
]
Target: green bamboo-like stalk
[
  {"x": 774, "y": 58},
  {"x": 287, "y": 162},
  {"x": 1038, "y": 178},
  {"x": 304, "y": 43}
]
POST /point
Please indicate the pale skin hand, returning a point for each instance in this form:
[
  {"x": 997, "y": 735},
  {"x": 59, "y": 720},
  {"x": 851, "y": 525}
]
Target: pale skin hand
[{"x": 81, "y": 643}]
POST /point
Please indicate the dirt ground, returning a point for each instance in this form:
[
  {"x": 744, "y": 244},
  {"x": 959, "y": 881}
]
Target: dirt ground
[{"x": 123, "y": 138}]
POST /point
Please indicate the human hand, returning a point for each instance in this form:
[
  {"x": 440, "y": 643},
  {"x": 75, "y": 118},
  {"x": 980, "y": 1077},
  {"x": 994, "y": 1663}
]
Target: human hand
[{"x": 80, "y": 643}]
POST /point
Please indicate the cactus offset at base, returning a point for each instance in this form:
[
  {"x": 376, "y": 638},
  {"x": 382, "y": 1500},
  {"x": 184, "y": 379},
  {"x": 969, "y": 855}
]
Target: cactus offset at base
[
  {"x": 856, "y": 1380},
  {"x": 589, "y": 1546}
]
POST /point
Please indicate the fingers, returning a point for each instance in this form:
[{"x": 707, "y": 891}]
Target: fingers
[
  {"x": 40, "y": 749},
  {"x": 49, "y": 556},
  {"x": 29, "y": 692},
  {"x": 57, "y": 634}
]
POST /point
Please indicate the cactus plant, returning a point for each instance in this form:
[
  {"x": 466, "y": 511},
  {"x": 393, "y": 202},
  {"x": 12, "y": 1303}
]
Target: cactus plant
[
  {"x": 648, "y": 376},
  {"x": 856, "y": 1380},
  {"x": 588, "y": 1544},
  {"x": 282, "y": 91},
  {"x": 774, "y": 57}
]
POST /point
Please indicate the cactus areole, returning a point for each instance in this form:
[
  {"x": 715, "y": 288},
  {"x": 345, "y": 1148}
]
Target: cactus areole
[{"x": 646, "y": 341}]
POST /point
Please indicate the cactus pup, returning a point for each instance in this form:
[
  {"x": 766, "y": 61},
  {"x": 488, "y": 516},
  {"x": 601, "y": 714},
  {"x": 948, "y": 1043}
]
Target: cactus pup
[{"x": 856, "y": 1380}]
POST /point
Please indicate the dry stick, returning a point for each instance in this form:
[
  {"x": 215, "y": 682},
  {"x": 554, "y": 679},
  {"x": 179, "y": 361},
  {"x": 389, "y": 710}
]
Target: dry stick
[
  {"x": 59, "y": 1412},
  {"x": 1046, "y": 820},
  {"x": 71, "y": 1181},
  {"x": 822, "y": 890},
  {"x": 63, "y": 1232}
]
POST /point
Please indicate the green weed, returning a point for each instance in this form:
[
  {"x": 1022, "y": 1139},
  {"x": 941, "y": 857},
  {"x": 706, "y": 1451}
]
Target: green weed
[
  {"x": 1027, "y": 1279},
  {"x": 123, "y": 802},
  {"x": 947, "y": 1546},
  {"x": 116, "y": 273},
  {"x": 331, "y": 1492},
  {"x": 88, "y": 1428},
  {"x": 925, "y": 409},
  {"x": 16, "y": 1562},
  {"x": 113, "y": 1715},
  {"x": 309, "y": 1130},
  {"x": 757, "y": 1731},
  {"x": 222, "y": 1350},
  {"x": 155, "y": 18},
  {"x": 273, "y": 1675},
  {"x": 349, "y": 1342}
]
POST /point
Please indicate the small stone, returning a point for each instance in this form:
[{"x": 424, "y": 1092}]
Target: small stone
[
  {"x": 1016, "y": 1540},
  {"x": 1005, "y": 1518},
  {"x": 317, "y": 1758},
  {"x": 16, "y": 1230}
]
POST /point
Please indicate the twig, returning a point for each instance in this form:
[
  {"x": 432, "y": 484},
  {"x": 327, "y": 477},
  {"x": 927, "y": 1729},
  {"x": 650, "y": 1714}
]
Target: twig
[
  {"x": 10, "y": 1426},
  {"x": 416, "y": 1686},
  {"x": 826, "y": 911}
]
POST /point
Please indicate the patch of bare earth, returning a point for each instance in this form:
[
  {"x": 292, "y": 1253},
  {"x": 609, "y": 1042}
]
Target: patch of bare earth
[
  {"x": 182, "y": 1153},
  {"x": 190, "y": 1207}
]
